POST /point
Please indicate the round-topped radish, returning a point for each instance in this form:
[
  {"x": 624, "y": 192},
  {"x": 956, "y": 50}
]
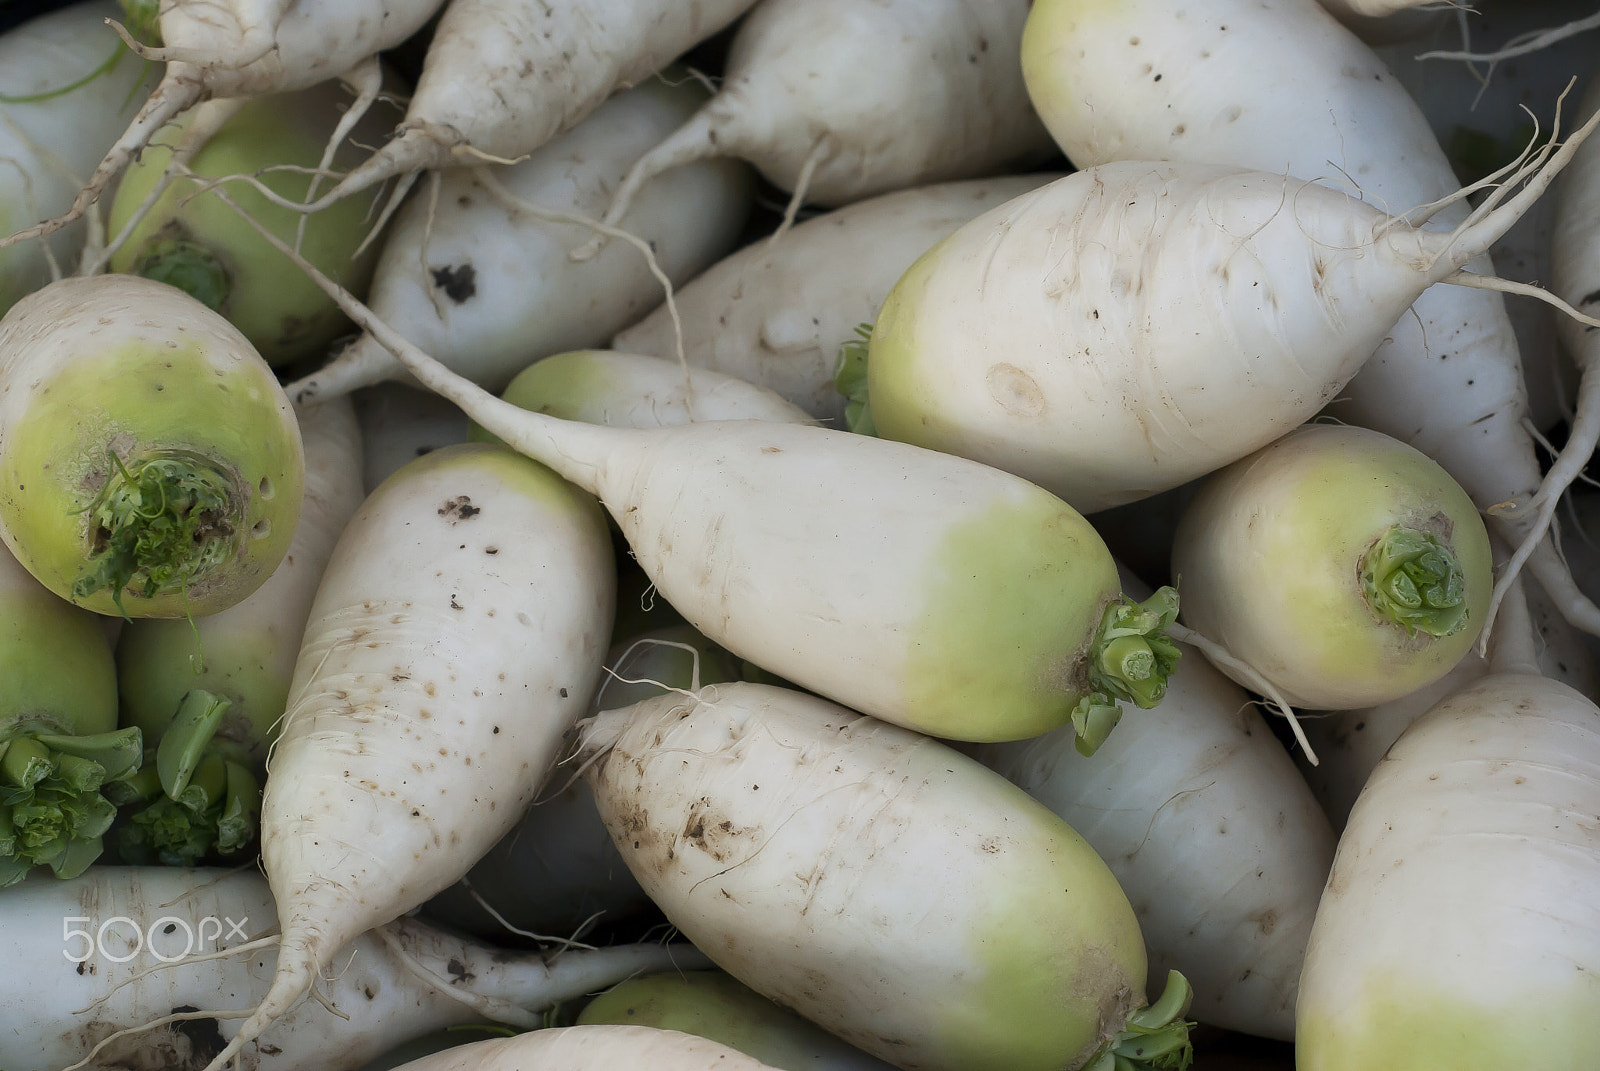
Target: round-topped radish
[
  {"x": 1346, "y": 567},
  {"x": 150, "y": 464}
]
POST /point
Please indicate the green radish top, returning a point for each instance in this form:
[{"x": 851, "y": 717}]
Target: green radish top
[
  {"x": 200, "y": 246},
  {"x": 150, "y": 464},
  {"x": 1343, "y": 565},
  {"x": 59, "y": 741}
]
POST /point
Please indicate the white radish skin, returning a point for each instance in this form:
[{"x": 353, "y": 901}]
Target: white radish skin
[
  {"x": 1460, "y": 927},
  {"x": 458, "y": 632},
  {"x": 590, "y": 1048},
  {"x": 627, "y": 390},
  {"x": 777, "y": 313},
  {"x": 502, "y": 77},
  {"x": 48, "y": 147},
  {"x": 54, "y": 1013},
  {"x": 892, "y": 891},
  {"x": 399, "y": 424},
  {"x": 809, "y": 82},
  {"x": 1480, "y": 128},
  {"x": 917, "y": 587},
  {"x": 247, "y": 48},
  {"x": 1350, "y": 743},
  {"x": 487, "y": 288},
  {"x": 1575, "y": 277},
  {"x": 248, "y": 651},
  {"x": 1276, "y": 558},
  {"x": 1133, "y": 326},
  {"x": 1209, "y": 829},
  {"x": 1282, "y": 87}
]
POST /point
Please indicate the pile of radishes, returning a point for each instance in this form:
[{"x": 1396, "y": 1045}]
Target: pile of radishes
[{"x": 933, "y": 534}]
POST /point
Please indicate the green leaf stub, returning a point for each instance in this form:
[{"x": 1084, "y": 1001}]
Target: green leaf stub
[
  {"x": 1412, "y": 578},
  {"x": 159, "y": 523}
]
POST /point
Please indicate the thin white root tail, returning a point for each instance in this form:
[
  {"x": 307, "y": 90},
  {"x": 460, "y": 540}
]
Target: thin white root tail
[
  {"x": 701, "y": 138},
  {"x": 289, "y": 987},
  {"x": 208, "y": 118},
  {"x": 366, "y": 78},
  {"x": 1566, "y": 469},
  {"x": 178, "y": 91},
  {"x": 423, "y": 147},
  {"x": 1520, "y": 45},
  {"x": 175, "y": 1017},
  {"x": 496, "y": 415},
  {"x": 1247, "y": 675},
  {"x": 802, "y": 185},
  {"x": 501, "y": 1011},
  {"x": 498, "y": 190}
]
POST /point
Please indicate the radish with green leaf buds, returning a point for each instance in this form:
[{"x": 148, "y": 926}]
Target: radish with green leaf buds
[
  {"x": 1344, "y": 566},
  {"x": 59, "y": 741},
  {"x": 1284, "y": 88},
  {"x": 1210, "y": 830},
  {"x": 503, "y": 77},
  {"x": 896, "y": 893},
  {"x": 244, "y": 655},
  {"x": 457, "y": 633},
  {"x": 479, "y": 276},
  {"x": 150, "y": 464},
  {"x": 1135, "y": 325},
  {"x": 67, "y": 88},
  {"x": 92, "y": 979},
  {"x": 232, "y": 49},
  {"x": 191, "y": 241},
  {"x": 911, "y": 585},
  {"x": 808, "y": 83},
  {"x": 777, "y": 313},
  {"x": 1460, "y": 927}
]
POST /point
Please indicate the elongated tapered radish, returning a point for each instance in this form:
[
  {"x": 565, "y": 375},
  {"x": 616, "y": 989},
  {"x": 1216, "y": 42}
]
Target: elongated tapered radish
[
  {"x": 198, "y": 245},
  {"x": 246, "y": 48},
  {"x": 92, "y": 978},
  {"x": 557, "y": 870},
  {"x": 487, "y": 287},
  {"x": 777, "y": 313},
  {"x": 502, "y": 77},
  {"x": 712, "y": 1004},
  {"x": 918, "y": 587},
  {"x": 889, "y": 889},
  {"x": 457, "y": 633},
  {"x": 590, "y": 1048},
  {"x": 628, "y": 390},
  {"x": 1460, "y": 928},
  {"x": 59, "y": 741},
  {"x": 244, "y": 655},
  {"x": 150, "y": 464},
  {"x": 1210, "y": 830},
  {"x": 809, "y": 82},
  {"x": 1344, "y": 566},
  {"x": 67, "y": 88},
  {"x": 1135, "y": 325},
  {"x": 1284, "y": 88}
]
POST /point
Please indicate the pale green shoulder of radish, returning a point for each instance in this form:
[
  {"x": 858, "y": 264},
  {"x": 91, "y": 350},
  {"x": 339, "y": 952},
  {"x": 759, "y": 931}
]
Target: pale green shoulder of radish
[{"x": 150, "y": 464}]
